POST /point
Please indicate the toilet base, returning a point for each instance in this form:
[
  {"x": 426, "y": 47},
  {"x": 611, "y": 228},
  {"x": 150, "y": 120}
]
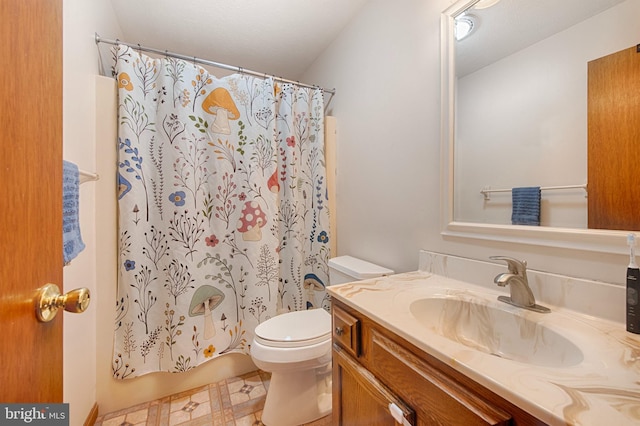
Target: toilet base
[{"x": 305, "y": 394}]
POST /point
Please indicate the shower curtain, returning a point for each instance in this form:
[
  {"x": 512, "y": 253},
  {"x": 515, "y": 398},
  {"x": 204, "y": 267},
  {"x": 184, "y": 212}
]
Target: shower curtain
[{"x": 223, "y": 219}]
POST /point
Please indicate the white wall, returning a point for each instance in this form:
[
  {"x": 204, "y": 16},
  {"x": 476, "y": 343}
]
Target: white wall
[
  {"x": 522, "y": 121},
  {"x": 386, "y": 69},
  {"x": 81, "y": 19}
]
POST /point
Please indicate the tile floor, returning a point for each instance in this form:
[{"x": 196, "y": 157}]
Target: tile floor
[{"x": 237, "y": 401}]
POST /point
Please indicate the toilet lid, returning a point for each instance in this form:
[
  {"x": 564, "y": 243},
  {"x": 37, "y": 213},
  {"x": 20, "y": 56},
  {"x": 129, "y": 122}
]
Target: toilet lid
[{"x": 295, "y": 329}]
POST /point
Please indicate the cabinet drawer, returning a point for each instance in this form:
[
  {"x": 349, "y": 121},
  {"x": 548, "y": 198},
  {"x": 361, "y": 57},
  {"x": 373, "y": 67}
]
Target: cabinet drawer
[{"x": 346, "y": 331}]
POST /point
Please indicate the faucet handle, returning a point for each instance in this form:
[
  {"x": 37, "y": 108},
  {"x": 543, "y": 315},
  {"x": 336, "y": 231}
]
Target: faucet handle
[{"x": 515, "y": 266}]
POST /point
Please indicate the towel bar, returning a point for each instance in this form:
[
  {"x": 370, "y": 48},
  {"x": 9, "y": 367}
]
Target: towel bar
[{"x": 487, "y": 190}]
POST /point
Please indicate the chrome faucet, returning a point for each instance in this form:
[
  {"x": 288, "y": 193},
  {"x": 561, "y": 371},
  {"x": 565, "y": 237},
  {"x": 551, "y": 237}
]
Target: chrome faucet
[{"x": 516, "y": 278}]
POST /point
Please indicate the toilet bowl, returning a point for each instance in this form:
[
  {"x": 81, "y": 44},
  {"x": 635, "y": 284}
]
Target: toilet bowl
[
  {"x": 295, "y": 348},
  {"x": 299, "y": 361}
]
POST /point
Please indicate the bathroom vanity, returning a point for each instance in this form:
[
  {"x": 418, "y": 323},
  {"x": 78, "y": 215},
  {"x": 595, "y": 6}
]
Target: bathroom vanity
[
  {"x": 376, "y": 371},
  {"x": 420, "y": 348}
]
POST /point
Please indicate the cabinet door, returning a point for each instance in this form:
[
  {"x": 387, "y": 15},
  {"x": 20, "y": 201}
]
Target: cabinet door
[
  {"x": 440, "y": 399},
  {"x": 359, "y": 399}
]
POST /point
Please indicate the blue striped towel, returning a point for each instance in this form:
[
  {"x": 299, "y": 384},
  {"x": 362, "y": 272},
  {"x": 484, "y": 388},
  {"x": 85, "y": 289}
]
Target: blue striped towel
[
  {"x": 526, "y": 205},
  {"x": 72, "y": 243}
]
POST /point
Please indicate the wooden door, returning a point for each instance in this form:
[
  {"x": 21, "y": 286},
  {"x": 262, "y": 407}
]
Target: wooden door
[
  {"x": 614, "y": 141},
  {"x": 31, "y": 206}
]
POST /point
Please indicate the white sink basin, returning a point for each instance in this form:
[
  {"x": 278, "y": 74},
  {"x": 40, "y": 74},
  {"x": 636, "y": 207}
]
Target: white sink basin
[{"x": 495, "y": 331}]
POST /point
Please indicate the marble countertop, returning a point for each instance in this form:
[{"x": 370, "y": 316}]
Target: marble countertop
[{"x": 601, "y": 386}]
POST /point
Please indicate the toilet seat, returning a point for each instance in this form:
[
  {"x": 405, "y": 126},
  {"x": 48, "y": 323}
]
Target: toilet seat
[{"x": 295, "y": 329}]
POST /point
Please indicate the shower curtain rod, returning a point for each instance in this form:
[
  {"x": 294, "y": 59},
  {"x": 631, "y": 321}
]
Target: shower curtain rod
[{"x": 210, "y": 63}]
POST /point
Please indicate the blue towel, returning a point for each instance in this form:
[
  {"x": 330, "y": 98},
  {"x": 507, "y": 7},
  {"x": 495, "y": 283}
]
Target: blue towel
[
  {"x": 71, "y": 239},
  {"x": 525, "y": 205}
]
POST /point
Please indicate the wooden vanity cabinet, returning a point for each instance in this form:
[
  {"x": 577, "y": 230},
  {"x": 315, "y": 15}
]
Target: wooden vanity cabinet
[
  {"x": 373, "y": 368},
  {"x": 362, "y": 399}
]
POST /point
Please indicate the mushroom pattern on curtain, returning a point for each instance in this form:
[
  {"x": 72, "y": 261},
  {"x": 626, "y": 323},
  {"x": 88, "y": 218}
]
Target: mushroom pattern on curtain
[{"x": 223, "y": 219}]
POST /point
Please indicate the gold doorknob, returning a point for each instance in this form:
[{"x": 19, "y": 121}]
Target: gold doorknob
[{"x": 49, "y": 300}]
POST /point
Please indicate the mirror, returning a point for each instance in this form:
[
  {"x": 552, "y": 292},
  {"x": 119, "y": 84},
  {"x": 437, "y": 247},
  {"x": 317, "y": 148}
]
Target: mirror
[{"x": 523, "y": 135}]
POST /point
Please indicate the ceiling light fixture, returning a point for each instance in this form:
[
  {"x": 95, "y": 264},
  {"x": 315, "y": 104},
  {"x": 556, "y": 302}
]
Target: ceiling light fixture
[
  {"x": 483, "y": 4},
  {"x": 464, "y": 26}
]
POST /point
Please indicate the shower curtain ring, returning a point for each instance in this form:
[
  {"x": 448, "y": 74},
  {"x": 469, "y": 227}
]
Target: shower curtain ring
[{"x": 241, "y": 70}]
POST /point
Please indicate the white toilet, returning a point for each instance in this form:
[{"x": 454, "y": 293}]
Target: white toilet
[{"x": 296, "y": 349}]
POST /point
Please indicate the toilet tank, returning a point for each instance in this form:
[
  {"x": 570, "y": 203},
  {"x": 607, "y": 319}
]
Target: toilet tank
[{"x": 344, "y": 269}]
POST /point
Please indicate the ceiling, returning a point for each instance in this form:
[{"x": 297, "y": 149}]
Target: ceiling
[
  {"x": 512, "y": 25},
  {"x": 284, "y": 37},
  {"x": 277, "y": 37}
]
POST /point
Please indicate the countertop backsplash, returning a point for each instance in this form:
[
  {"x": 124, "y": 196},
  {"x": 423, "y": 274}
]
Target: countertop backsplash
[{"x": 594, "y": 298}]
